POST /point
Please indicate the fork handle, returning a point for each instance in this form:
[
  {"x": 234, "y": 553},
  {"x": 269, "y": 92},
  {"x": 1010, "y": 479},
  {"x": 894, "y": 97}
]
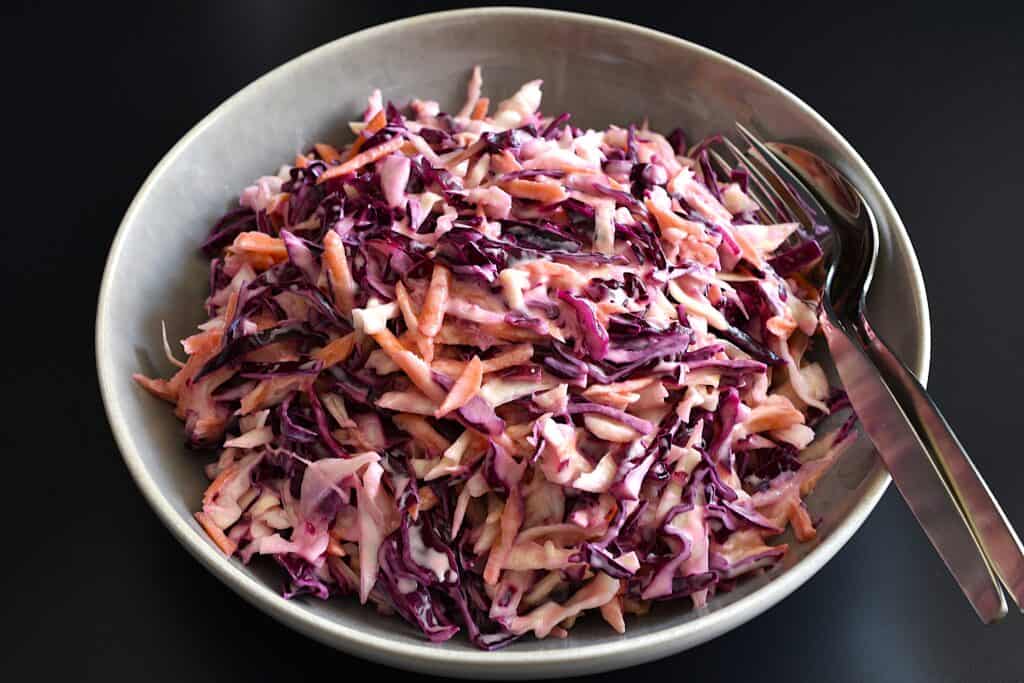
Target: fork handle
[
  {"x": 993, "y": 530},
  {"x": 913, "y": 471}
]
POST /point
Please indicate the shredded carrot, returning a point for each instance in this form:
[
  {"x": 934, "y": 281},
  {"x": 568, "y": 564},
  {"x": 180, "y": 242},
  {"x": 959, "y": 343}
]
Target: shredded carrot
[
  {"x": 376, "y": 123},
  {"x": 467, "y": 153},
  {"x": 405, "y": 306},
  {"x": 338, "y": 350},
  {"x": 219, "y": 482},
  {"x": 427, "y": 500},
  {"x": 778, "y": 412},
  {"x": 616, "y": 400},
  {"x": 160, "y": 388},
  {"x": 271, "y": 392},
  {"x": 227, "y": 546},
  {"x": 505, "y": 162},
  {"x": 204, "y": 342},
  {"x": 409, "y": 340},
  {"x": 301, "y": 161},
  {"x": 465, "y": 388},
  {"x": 568, "y": 167},
  {"x": 666, "y": 219},
  {"x": 747, "y": 250},
  {"x": 422, "y": 432},
  {"x": 511, "y": 521},
  {"x": 342, "y": 285},
  {"x": 254, "y": 398},
  {"x": 435, "y": 302},
  {"x": 362, "y": 159},
  {"x": 411, "y": 364},
  {"x": 432, "y": 314},
  {"x": 334, "y": 549},
  {"x": 373, "y": 126},
  {"x": 480, "y": 109},
  {"x": 230, "y": 308},
  {"x": 448, "y": 366},
  {"x": 327, "y": 152},
  {"x": 411, "y": 401},
  {"x": 510, "y": 357},
  {"x": 803, "y": 527},
  {"x": 261, "y": 243},
  {"x": 426, "y": 348},
  {"x": 546, "y": 193}
]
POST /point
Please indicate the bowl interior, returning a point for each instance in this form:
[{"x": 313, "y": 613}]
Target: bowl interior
[{"x": 603, "y": 72}]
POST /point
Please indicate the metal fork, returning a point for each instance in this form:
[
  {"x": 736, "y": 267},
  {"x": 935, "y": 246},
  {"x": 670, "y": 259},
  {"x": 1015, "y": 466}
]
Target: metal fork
[{"x": 929, "y": 466}]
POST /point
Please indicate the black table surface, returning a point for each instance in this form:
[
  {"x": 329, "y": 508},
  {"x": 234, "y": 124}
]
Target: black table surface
[{"x": 97, "y": 589}]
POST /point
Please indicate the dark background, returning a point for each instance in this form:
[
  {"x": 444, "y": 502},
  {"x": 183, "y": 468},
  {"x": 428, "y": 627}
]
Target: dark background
[{"x": 96, "y": 589}]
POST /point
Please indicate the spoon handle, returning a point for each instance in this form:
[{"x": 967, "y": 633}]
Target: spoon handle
[
  {"x": 914, "y": 472},
  {"x": 993, "y": 530}
]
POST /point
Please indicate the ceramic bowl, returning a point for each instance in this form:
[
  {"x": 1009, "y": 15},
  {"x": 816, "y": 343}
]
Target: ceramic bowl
[{"x": 603, "y": 72}]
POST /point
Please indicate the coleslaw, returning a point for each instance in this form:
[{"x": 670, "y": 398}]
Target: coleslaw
[{"x": 490, "y": 371}]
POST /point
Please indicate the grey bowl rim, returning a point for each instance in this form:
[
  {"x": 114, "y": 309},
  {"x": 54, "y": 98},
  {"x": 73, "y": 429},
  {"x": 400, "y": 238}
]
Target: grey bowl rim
[{"x": 425, "y": 656}]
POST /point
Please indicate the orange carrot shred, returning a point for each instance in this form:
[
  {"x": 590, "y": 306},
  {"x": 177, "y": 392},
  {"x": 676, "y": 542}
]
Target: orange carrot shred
[
  {"x": 218, "y": 483},
  {"x": 428, "y": 499},
  {"x": 505, "y": 162},
  {"x": 301, "y": 161},
  {"x": 467, "y": 153},
  {"x": 426, "y": 348},
  {"x": 516, "y": 354},
  {"x": 227, "y": 546},
  {"x": 372, "y": 126},
  {"x": 511, "y": 521},
  {"x": 425, "y": 435},
  {"x": 230, "y": 308},
  {"x": 377, "y": 122},
  {"x": 362, "y": 159},
  {"x": 408, "y": 341},
  {"x": 405, "y": 306},
  {"x": 338, "y": 350},
  {"x": 803, "y": 527},
  {"x": 259, "y": 250},
  {"x": 327, "y": 152},
  {"x": 547, "y": 193},
  {"x": 413, "y": 366},
  {"x": 513, "y": 355},
  {"x": 261, "y": 243},
  {"x": 342, "y": 284},
  {"x": 465, "y": 388},
  {"x": 480, "y": 109},
  {"x": 435, "y": 302},
  {"x": 160, "y": 388},
  {"x": 666, "y": 219}
]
